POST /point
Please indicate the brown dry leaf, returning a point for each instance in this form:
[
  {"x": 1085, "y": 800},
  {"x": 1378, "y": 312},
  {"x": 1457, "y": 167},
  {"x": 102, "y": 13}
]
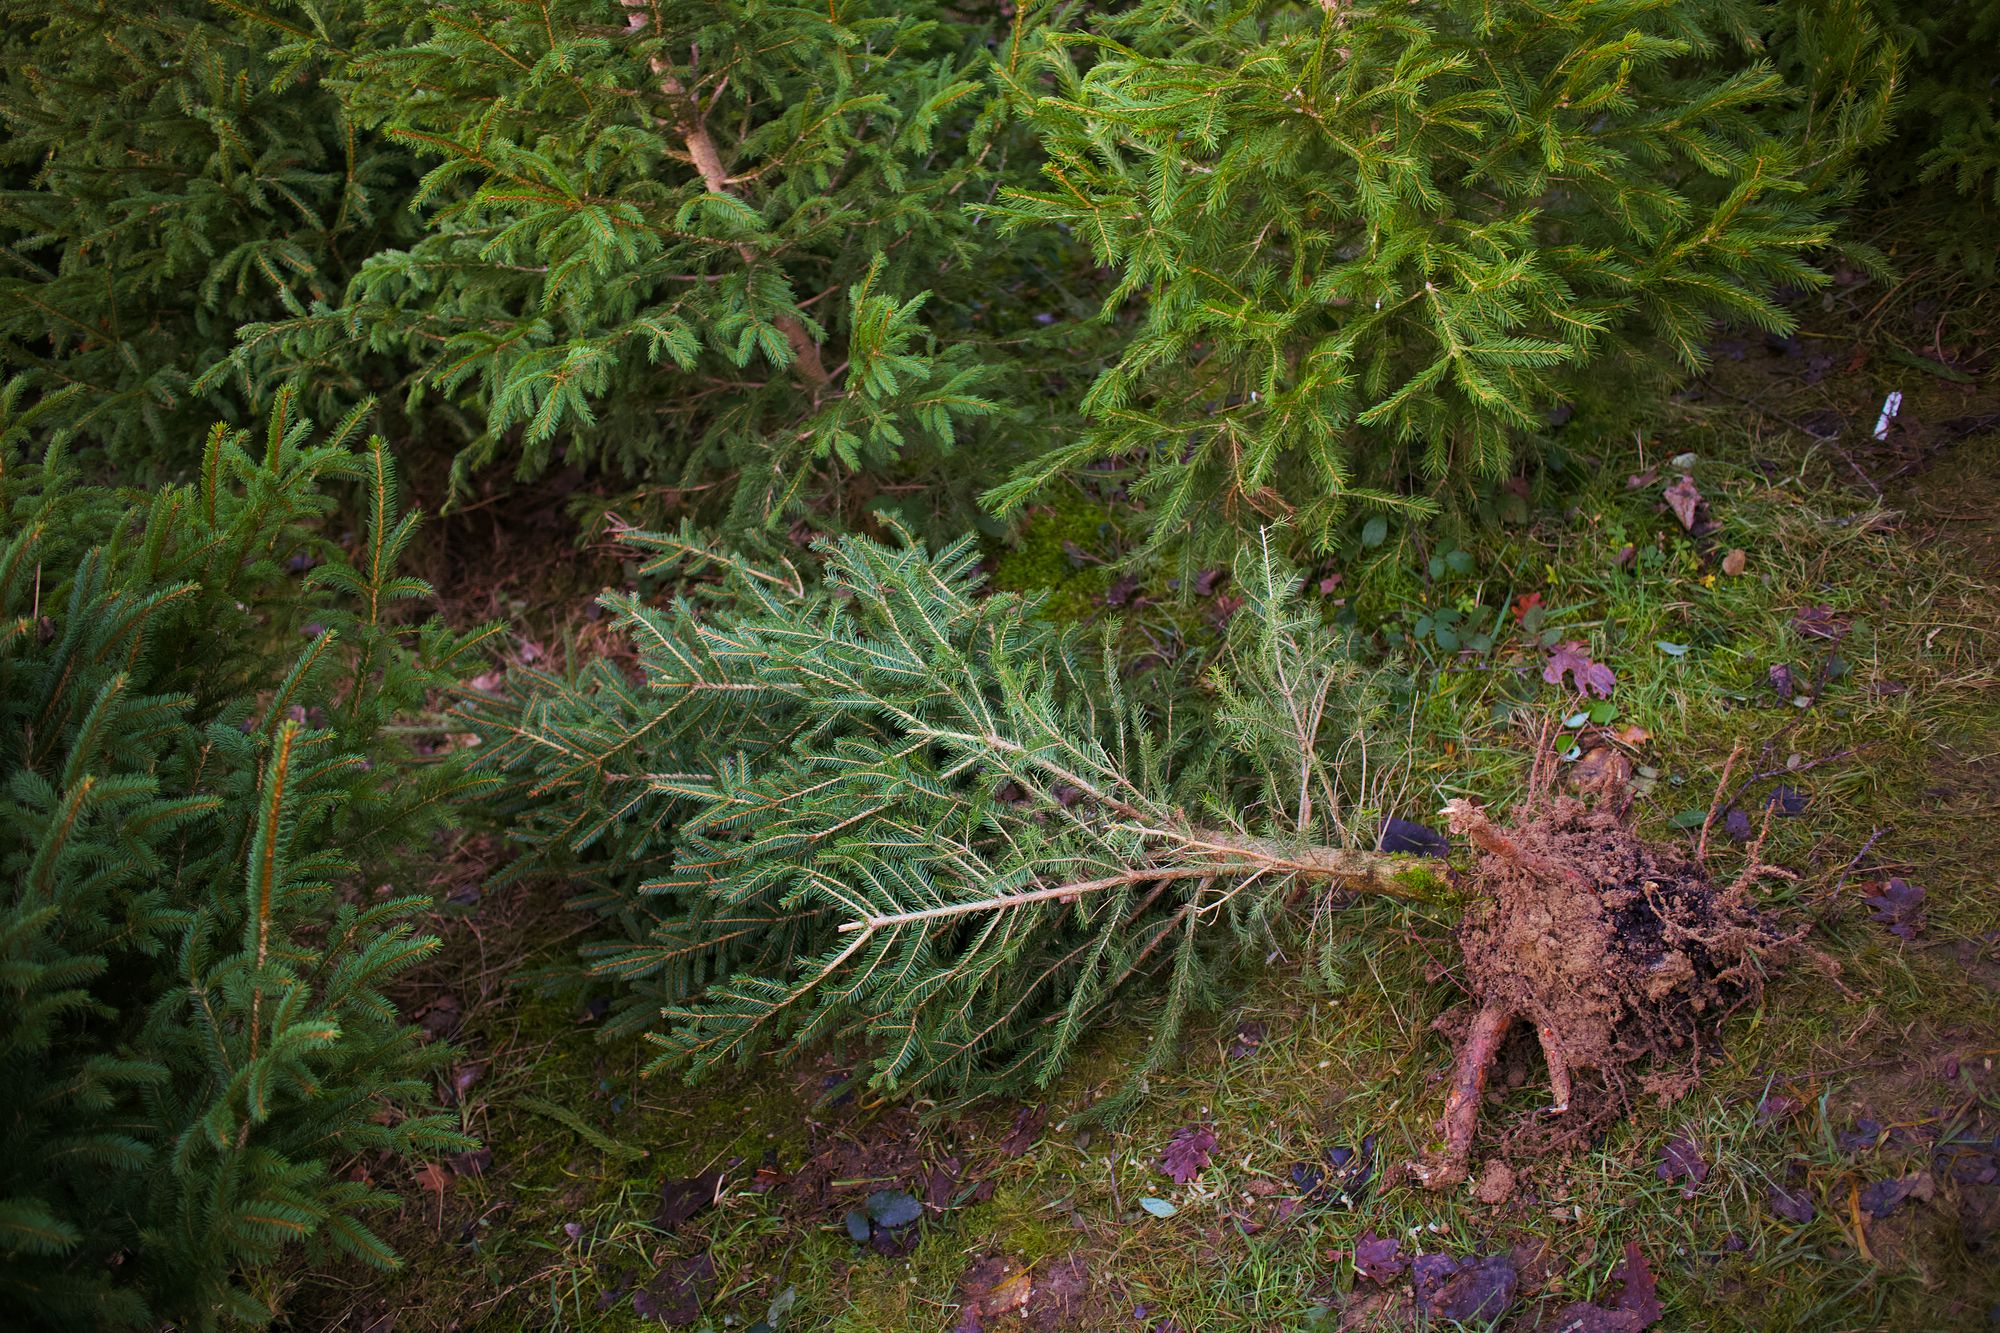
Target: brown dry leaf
[
  {"x": 433, "y": 1178},
  {"x": 1682, "y": 497},
  {"x": 1735, "y": 562},
  {"x": 1601, "y": 766},
  {"x": 1631, "y": 734}
]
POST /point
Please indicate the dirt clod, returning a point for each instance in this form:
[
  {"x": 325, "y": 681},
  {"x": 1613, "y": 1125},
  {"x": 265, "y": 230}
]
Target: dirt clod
[{"x": 1496, "y": 1183}]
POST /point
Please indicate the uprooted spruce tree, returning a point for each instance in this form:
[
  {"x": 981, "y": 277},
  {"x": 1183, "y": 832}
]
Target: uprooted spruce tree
[{"x": 885, "y": 807}]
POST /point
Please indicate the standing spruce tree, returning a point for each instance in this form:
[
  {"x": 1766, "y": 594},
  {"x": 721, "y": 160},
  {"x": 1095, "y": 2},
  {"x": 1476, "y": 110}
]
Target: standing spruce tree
[
  {"x": 1375, "y": 240},
  {"x": 886, "y": 805},
  {"x": 725, "y": 248},
  {"x": 170, "y": 170},
  {"x": 194, "y": 1037}
]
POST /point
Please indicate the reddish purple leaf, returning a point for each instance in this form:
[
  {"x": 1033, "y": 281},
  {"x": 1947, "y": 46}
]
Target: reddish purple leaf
[
  {"x": 1899, "y": 905},
  {"x": 1794, "y": 1205},
  {"x": 1683, "y": 498},
  {"x": 1187, "y": 1152},
  {"x": 1883, "y": 1197},
  {"x": 1478, "y": 1289},
  {"x": 1818, "y": 622},
  {"x": 1027, "y": 1126},
  {"x": 1632, "y": 1308},
  {"x": 686, "y": 1197},
  {"x": 1379, "y": 1258},
  {"x": 1681, "y": 1160},
  {"x": 1638, "y": 1293},
  {"x": 1778, "y": 1106},
  {"x": 1586, "y": 676}
]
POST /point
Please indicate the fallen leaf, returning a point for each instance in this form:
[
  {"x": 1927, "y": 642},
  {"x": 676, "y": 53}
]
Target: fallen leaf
[
  {"x": 1779, "y": 678},
  {"x": 1883, "y": 1197},
  {"x": 1632, "y": 734},
  {"x": 1681, "y": 1160},
  {"x": 439, "y": 1018},
  {"x": 1736, "y": 824},
  {"x": 685, "y": 1197},
  {"x": 1476, "y": 1289},
  {"x": 1639, "y": 481},
  {"x": 1158, "y": 1207},
  {"x": 1187, "y": 1153},
  {"x": 1633, "y": 1307},
  {"x": 1899, "y": 905},
  {"x": 1683, "y": 497},
  {"x": 1778, "y": 1106},
  {"x": 1586, "y": 676},
  {"x": 1204, "y": 582},
  {"x": 1794, "y": 1205},
  {"x": 1638, "y": 1293},
  {"x": 432, "y": 1177},
  {"x": 1027, "y": 1125},
  {"x": 1786, "y": 802},
  {"x": 1379, "y": 1258},
  {"x": 1601, "y": 766},
  {"x": 1865, "y": 1136},
  {"x": 941, "y": 1186},
  {"x": 1735, "y": 562},
  {"x": 1818, "y": 622},
  {"x": 472, "y": 1163},
  {"x": 1526, "y": 602},
  {"x": 677, "y": 1291},
  {"x": 1880, "y": 1198},
  {"x": 1584, "y": 1317}
]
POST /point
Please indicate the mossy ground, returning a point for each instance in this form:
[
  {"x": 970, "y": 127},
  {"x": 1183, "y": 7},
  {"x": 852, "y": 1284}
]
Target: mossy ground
[{"x": 1893, "y": 756}]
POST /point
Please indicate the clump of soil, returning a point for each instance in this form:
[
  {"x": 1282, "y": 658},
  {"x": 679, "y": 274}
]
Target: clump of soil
[{"x": 1621, "y": 954}]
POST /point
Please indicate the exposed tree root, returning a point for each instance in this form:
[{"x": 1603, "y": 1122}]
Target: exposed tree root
[{"x": 1619, "y": 953}]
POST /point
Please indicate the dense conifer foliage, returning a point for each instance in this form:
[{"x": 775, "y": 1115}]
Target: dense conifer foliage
[
  {"x": 171, "y": 170},
  {"x": 193, "y": 694},
  {"x": 1377, "y": 240},
  {"x": 724, "y": 248}
]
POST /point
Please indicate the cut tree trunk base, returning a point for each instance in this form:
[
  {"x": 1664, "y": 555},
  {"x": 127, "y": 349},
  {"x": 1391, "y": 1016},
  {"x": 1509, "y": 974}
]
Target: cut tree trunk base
[{"x": 1621, "y": 954}]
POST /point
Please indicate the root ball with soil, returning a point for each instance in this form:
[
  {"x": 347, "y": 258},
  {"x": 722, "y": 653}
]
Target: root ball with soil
[{"x": 1620, "y": 954}]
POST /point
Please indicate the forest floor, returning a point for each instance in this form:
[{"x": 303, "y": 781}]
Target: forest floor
[{"x": 1837, "y": 1166}]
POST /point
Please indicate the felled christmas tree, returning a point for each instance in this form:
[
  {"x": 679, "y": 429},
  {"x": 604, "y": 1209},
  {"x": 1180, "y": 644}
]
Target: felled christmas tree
[{"x": 880, "y": 806}]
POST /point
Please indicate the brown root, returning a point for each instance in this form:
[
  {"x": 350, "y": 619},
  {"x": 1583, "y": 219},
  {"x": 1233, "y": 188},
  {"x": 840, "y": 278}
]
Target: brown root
[{"x": 1621, "y": 953}]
